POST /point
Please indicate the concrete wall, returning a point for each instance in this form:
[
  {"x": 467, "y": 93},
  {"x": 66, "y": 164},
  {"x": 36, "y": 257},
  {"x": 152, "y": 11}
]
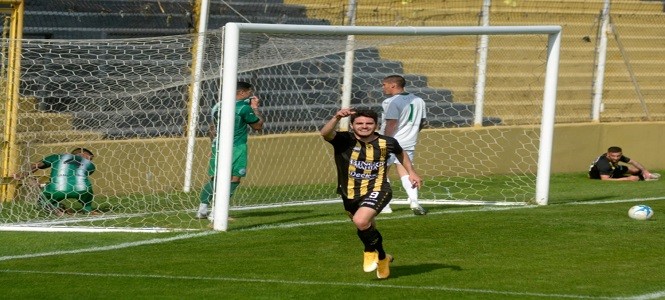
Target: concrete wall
[
  {"x": 158, "y": 164},
  {"x": 575, "y": 146}
]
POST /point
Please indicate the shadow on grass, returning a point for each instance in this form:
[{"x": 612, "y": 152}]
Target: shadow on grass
[
  {"x": 268, "y": 213},
  {"x": 290, "y": 217},
  {"x": 399, "y": 271},
  {"x": 585, "y": 199}
]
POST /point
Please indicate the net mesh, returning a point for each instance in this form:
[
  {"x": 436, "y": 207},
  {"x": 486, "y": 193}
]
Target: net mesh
[
  {"x": 127, "y": 100},
  {"x": 127, "y": 96}
]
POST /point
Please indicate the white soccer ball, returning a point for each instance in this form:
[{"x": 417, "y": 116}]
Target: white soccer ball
[{"x": 640, "y": 212}]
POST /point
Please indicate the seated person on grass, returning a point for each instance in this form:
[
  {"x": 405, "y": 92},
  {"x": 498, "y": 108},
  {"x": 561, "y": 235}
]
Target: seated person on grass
[{"x": 607, "y": 167}]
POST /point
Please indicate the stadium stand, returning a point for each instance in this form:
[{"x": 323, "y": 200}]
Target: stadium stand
[
  {"x": 634, "y": 48},
  {"x": 100, "y": 19},
  {"x": 367, "y": 91},
  {"x": 165, "y": 115}
]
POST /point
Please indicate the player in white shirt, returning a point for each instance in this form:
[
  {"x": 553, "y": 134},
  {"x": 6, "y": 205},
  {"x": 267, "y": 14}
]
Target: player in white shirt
[{"x": 404, "y": 115}]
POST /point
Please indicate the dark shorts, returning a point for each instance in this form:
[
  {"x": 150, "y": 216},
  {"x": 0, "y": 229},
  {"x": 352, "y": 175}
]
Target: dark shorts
[
  {"x": 374, "y": 200},
  {"x": 618, "y": 172}
]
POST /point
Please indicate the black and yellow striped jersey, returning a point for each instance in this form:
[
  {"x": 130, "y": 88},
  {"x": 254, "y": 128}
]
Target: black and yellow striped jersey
[{"x": 361, "y": 167}]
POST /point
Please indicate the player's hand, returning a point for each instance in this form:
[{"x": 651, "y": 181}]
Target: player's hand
[
  {"x": 254, "y": 102},
  {"x": 344, "y": 112},
  {"x": 416, "y": 181}
]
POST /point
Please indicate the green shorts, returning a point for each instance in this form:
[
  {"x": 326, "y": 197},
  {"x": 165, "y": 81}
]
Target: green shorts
[
  {"x": 57, "y": 196},
  {"x": 51, "y": 197},
  {"x": 238, "y": 160}
]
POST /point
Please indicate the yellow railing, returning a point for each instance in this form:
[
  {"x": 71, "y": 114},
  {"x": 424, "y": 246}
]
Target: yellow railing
[{"x": 13, "y": 10}]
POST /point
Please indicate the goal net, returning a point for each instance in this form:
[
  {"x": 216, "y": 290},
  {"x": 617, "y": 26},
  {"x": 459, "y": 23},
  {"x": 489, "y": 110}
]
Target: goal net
[
  {"x": 130, "y": 101},
  {"x": 461, "y": 161}
]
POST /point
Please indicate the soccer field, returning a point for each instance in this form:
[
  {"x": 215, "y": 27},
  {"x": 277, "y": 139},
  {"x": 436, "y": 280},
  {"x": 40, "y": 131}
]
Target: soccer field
[{"x": 582, "y": 246}]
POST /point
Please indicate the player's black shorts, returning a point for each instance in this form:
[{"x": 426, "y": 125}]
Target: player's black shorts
[
  {"x": 618, "y": 172},
  {"x": 375, "y": 200}
]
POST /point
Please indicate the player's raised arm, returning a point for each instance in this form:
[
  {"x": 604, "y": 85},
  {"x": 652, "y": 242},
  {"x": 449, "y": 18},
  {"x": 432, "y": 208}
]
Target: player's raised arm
[{"x": 328, "y": 131}]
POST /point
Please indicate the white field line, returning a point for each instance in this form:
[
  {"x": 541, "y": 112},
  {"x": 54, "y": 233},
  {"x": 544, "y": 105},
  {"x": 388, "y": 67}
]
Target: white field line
[
  {"x": 615, "y": 201},
  {"x": 256, "y": 228},
  {"x": 110, "y": 247},
  {"x": 293, "y": 225},
  {"x": 386, "y": 217},
  {"x": 654, "y": 295},
  {"x": 329, "y": 283}
]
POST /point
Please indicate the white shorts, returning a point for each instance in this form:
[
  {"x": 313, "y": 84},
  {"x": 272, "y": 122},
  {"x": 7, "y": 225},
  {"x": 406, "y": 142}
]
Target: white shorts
[{"x": 393, "y": 160}]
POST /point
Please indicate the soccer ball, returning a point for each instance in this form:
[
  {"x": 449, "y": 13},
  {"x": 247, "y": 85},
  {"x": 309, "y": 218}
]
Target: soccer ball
[{"x": 640, "y": 212}]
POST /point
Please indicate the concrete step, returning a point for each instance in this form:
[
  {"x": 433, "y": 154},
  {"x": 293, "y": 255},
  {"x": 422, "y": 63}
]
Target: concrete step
[
  {"x": 58, "y": 136},
  {"x": 155, "y": 7},
  {"x": 639, "y": 42},
  {"x": 568, "y": 114},
  {"x": 621, "y": 117},
  {"x": 453, "y": 53},
  {"x": 522, "y": 120},
  {"x": 566, "y": 67},
  {"x": 434, "y": 12},
  {"x": 618, "y": 79},
  {"x": 39, "y": 121},
  {"x": 582, "y": 52},
  {"x": 27, "y": 105},
  {"x": 563, "y": 94},
  {"x": 581, "y": 104}
]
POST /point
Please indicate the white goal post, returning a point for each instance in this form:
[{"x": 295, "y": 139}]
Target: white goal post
[
  {"x": 143, "y": 107},
  {"x": 229, "y": 73}
]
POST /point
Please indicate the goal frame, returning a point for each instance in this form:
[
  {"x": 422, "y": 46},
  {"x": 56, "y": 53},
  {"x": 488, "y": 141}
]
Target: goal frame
[{"x": 229, "y": 72}]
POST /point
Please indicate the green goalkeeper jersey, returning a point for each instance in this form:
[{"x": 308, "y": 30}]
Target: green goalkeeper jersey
[
  {"x": 244, "y": 116},
  {"x": 69, "y": 173}
]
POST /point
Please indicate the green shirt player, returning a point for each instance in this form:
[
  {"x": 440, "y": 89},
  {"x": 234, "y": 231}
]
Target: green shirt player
[
  {"x": 68, "y": 180},
  {"x": 247, "y": 115}
]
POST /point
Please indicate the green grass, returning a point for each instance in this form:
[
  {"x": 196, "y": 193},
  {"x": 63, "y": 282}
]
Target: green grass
[{"x": 581, "y": 246}]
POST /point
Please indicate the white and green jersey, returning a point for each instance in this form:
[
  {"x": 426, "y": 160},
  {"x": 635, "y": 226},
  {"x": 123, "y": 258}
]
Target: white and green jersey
[
  {"x": 409, "y": 110},
  {"x": 69, "y": 173}
]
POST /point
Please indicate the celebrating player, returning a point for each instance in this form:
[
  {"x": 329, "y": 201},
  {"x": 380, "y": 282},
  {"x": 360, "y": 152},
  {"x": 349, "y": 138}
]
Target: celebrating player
[{"x": 360, "y": 157}]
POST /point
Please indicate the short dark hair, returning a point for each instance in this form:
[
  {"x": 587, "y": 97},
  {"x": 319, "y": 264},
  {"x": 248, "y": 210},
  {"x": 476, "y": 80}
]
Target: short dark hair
[
  {"x": 614, "y": 149},
  {"x": 364, "y": 112},
  {"x": 397, "y": 79},
  {"x": 82, "y": 150},
  {"x": 242, "y": 85}
]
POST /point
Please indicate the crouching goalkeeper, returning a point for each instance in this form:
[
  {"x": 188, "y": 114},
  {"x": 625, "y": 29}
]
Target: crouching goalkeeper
[{"x": 68, "y": 180}]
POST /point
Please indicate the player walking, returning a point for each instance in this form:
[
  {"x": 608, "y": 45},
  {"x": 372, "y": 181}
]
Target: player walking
[{"x": 404, "y": 115}]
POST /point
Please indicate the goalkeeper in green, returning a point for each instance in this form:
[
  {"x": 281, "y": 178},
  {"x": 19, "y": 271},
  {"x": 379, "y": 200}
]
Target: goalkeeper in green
[
  {"x": 246, "y": 115},
  {"x": 68, "y": 180}
]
